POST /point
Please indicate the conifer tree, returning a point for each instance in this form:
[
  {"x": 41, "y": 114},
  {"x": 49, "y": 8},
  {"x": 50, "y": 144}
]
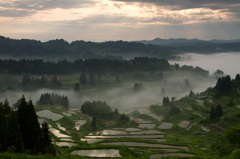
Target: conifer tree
[
  {"x": 2, "y": 125},
  {"x": 212, "y": 113},
  {"x": 218, "y": 111},
  {"x": 6, "y": 106},
  {"x": 30, "y": 128},
  {"x": 46, "y": 138},
  {"x": 94, "y": 123},
  {"x": 83, "y": 79},
  {"x": 76, "y": 87},
  {"x": 13, "y": 132}
]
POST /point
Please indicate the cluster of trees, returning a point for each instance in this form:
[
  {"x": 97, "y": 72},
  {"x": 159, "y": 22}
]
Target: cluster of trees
[
  {"x": 216, "y": 113},
  {"x": 20, "y": 130},
  {"x": 28, "y": 82},
  {"x": 197, "y": 70},
  {"x": 101, "y": 110},
  {"x": 166, "y": 101},
  {"x": 226, "y": 84},
  {"x": 53, "y": 99},
  {"x": 137, "y": 87}
]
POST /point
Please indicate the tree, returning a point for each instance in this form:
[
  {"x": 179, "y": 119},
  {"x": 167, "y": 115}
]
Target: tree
[
  {"x": 92, "y": 78},
  {"x": 46, "y": 138},
  {"x": 76, "y": 87},
  {"x": 94, "y": 123},
  {"x": 187, "y": 85},
  {"x": 2, "y": 126},
  {"x": 137, "y": 87},
  {"x": 6, "y": 106},
  {"x": 13, "y": 132},
  {"x": 191, "y": 94},
  {"x": 30, "y": 128},
  {"x": 177, "y": 66},
  {"x": 166, "y": 101},
  {"x": 224, "y": 84},
  {"x": 218, "y": 111},
  {"x": 218, "y": 73},
  {"x": 124, "y": 117},
  {"x": 237, "y": 78},
  {"x": 212, "y": 113},
  {"x": 55, "y": 82},
  {"x": 83, "y": 79}
]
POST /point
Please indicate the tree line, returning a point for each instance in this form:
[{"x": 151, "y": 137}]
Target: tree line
[
  {"x": 53, "y": 99},
  {"x": 20, "y": 130},
  {"x": 38, "y": 66},
  {"x": 61, "y": 49}
]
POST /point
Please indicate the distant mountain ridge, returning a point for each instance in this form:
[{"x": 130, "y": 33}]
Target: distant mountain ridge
[
  {"x": 196, "y": 45},
  {"x": 159, "y": 41}
]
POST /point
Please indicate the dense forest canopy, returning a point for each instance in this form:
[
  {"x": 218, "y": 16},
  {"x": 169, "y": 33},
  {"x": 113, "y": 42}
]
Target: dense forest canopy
[
  {"x": 61, "y": 49},
  {"x": 38, "y": 66}
]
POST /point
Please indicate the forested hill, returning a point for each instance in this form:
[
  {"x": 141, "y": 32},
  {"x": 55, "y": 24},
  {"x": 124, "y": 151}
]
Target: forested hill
[
  {"x": 196, "y": 45},
  {"x": 60, "y": 49}
]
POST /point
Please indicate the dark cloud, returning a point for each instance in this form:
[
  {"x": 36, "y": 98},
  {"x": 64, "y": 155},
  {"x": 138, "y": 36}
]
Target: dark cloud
[
  {"x": 50, "y": 4},
  {"x": 15, "y": 13},
  {"x": 18, "y": 8},
  {"x": 188, "y": 4}
]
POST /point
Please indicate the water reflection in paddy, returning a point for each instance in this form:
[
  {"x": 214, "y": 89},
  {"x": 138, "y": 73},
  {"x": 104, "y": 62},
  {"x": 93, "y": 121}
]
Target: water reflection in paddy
[
  {"x": 90, "y": 141},
  {"x": 50, "y": 115},
  {"x": 145, "y": 132},
  {"x": 128, "y": 136},
  {"x": 97, "y": 153},
  {"x": 139, "y": 144},
  {"x": 79, "y": 123},
  {"x": 109, "y": 132},
  {"x": 58, "y": 134},
  {"x": 65, "y": 144}
]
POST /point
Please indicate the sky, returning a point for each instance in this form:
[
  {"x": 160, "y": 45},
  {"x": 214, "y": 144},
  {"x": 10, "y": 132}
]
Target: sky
[{"x": 128, "y": 20}]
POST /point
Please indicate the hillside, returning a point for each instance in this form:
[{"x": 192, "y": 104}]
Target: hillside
[
  {"x": 60, "y": 49},
  {"x": 196, "y": 45}
]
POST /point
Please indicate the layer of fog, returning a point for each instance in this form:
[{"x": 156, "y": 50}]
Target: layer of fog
[
  {"x": 229, "y": 63},
  {"x": 125, "y": 98}
]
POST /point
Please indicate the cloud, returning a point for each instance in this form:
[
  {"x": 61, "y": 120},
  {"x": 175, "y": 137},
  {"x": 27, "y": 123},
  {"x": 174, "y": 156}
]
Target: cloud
[
  {"x": 188, "y": 4},
  {"x": 15, "y": 13},
  {"x": 28, "y": 7}
]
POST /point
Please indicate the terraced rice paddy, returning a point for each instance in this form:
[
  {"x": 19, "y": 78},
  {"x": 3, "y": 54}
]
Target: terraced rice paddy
[
  {"x": 171, "y": 154},
  {"x": 58, "y": 134},
  {"x": 98, "y": 153},
  {"x": 65, "y": 144},
  {"x": 79, "y": 123},
  {"x": 139, "y": 144},
  {"x": 184, "y": 124},
  {"x": 165, "y": 125},
  {"x": 49, "y": 115},
  {"x": 148, "y": 126}
]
